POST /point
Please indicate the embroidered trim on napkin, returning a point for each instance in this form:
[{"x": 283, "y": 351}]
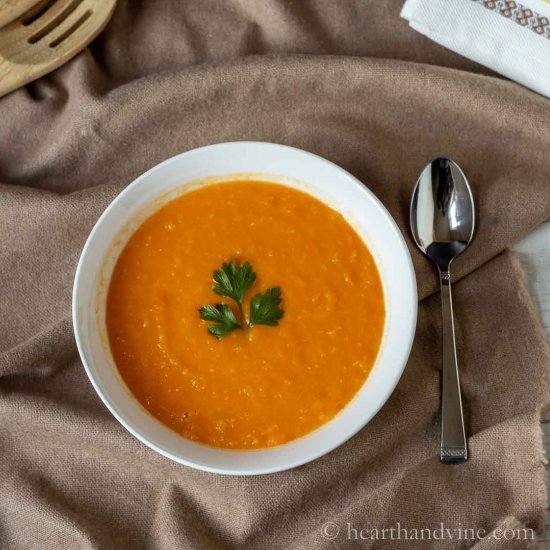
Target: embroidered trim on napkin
[{"x": 521, "y": 14}]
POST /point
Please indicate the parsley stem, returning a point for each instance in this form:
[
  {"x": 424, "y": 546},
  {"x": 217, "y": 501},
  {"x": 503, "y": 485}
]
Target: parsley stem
[{"x": 241, "y": 315}]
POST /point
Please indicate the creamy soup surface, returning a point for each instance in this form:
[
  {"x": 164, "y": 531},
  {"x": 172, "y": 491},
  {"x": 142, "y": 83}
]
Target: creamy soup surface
[{"x": 261, "y": 386}]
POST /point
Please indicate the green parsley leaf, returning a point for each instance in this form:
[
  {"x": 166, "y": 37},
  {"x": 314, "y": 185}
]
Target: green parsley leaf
[
  {"x": 264, "y": 308},
  {"x": 234, "y": 281},
  {"x": 223, "y": 316}
]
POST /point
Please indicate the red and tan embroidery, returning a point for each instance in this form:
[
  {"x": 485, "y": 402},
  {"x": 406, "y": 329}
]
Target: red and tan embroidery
[{"x": 520, "y": 14}]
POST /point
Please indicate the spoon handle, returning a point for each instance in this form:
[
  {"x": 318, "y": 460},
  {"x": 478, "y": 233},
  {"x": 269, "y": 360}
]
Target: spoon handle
[{"x": 453, "y": 438}]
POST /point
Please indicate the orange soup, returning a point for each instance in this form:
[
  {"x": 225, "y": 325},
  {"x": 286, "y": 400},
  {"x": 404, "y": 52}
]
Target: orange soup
[{"x": 260, "y": 386}]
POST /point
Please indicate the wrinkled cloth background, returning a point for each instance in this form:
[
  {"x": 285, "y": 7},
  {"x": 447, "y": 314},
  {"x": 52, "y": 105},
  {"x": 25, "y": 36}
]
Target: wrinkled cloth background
[{"x": 346, "y": 79}]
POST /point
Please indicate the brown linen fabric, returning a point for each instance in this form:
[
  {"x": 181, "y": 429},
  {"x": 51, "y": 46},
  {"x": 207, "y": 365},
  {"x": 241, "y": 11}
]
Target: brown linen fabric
[{"x": 167, "y": 76}]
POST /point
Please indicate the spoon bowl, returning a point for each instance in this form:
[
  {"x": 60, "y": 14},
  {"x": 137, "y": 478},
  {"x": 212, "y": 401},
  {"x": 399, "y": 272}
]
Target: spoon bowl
[{"x": 442, "y": 212}]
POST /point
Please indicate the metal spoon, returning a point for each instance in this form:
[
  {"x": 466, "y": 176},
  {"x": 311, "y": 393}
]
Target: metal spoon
[{"x": 442, "y": 224}]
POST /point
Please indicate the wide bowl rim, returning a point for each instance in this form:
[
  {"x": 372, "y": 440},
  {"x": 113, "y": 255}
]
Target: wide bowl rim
[{"x": 305, "y": 458}]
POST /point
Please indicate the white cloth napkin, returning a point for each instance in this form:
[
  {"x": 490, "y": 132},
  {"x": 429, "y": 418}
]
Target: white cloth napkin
[{"x": 510, "y": 37}]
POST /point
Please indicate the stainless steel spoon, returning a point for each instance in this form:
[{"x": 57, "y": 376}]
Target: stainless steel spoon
[{"x": 442, "y": 224}]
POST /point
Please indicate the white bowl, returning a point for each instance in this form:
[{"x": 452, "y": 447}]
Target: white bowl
[{"x": 261, "y": 161}]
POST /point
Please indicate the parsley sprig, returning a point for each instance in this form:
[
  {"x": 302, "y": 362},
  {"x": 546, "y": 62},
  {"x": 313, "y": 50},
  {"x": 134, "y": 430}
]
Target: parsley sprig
[{"x": 234, "y": 281}]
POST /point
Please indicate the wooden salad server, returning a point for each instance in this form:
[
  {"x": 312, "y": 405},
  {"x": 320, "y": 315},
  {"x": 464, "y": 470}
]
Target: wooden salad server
[{"x": 45, "y": 36}]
